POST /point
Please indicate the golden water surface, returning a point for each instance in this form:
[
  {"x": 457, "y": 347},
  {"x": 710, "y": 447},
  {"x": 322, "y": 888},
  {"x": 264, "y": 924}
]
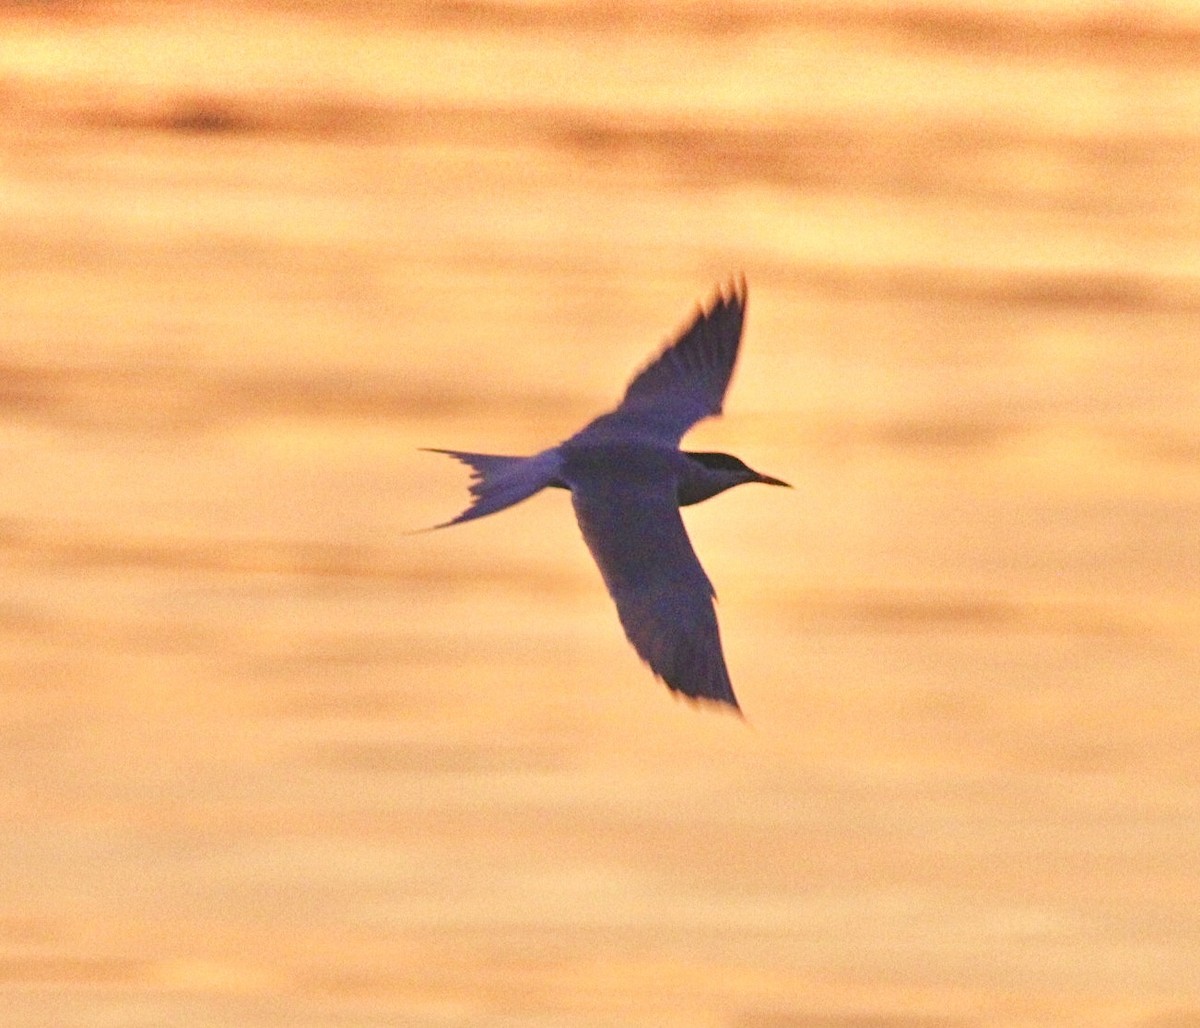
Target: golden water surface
[{"x": 268, "y": 757}]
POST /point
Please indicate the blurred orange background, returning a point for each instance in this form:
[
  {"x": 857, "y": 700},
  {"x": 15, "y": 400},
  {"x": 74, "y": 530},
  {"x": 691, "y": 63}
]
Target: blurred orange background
[{"x": 271, "y": 759}]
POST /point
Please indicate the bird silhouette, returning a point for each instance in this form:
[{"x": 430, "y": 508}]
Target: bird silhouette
[{"x": 628, "y": 478}]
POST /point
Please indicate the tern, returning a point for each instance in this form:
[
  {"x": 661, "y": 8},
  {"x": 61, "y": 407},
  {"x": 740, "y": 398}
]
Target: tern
[{"x": 628, "y": 478}]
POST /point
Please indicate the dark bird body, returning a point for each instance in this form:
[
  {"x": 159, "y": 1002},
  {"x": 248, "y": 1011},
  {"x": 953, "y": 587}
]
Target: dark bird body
[{"x": 628, "y": 478}]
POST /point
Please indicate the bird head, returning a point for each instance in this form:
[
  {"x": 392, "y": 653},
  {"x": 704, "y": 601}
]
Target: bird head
[{"x": 713, "y": 473}]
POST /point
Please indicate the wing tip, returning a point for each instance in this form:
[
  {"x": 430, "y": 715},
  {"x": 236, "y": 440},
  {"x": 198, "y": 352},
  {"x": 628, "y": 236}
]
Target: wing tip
[
  {"x": 732, "y": 293},
  {"x": 724, "y": 701},
  {"x": 708, "y": 684}
]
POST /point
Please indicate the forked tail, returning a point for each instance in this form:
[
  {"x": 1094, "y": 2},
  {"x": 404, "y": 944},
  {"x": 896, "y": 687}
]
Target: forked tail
[{"x": 498, "y": 482}]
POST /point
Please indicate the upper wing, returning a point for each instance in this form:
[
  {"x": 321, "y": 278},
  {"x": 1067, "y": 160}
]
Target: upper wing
[
  {"x": 686, "y": 382},
  {"x": 630, "y": 520}
]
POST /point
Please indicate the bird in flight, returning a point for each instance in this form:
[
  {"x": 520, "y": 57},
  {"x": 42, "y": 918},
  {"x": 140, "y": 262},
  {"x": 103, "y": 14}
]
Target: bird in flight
[{"x": 628, "y": 478}]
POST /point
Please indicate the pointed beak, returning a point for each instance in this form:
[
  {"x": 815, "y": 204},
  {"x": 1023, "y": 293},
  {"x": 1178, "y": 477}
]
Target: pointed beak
[{"x": 768, "y": 480}]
